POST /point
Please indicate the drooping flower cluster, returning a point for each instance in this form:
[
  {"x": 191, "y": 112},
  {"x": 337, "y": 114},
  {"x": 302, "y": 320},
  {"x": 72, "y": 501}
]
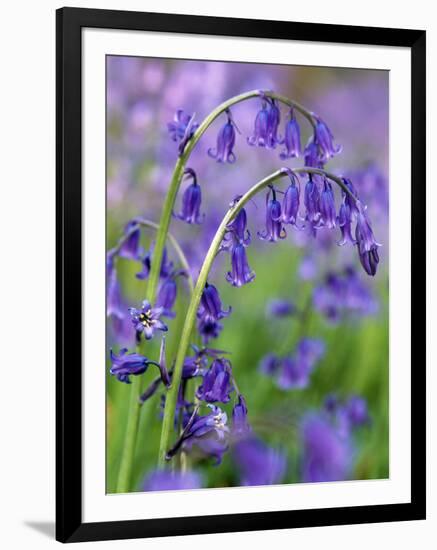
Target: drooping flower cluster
[{"x": 294, "y": 371}]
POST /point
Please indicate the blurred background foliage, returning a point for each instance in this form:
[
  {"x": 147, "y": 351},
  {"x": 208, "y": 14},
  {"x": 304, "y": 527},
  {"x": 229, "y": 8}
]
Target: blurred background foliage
[{"x": 142, "y": 97}]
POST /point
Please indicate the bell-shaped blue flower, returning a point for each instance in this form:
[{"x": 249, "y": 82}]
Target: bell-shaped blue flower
[
  {"x": 217, "y": 382},
  {"x": 147, "y": 320},
  {"x": 240, "y": 273},
  {"x": 312, "y": 155},
  {"x": 260, "y": 135},
  {"x": 211, "y": 304},
  {"x": 274, "y": 119},
  {"x": 166, "y": 265},
  {"x": 274, "y": 229},
  {"x": 114, "y": 301},
  {"x": 191, "y": 201},
  {"x": 166, "y": 297},
  {"x": 237, "y": 229},
  {"x": 224, "y": 151},
  {"x": 126, "y": 364},
  {"x": 291, "y": 203},
  {"x": 240, "y": 424},
  {"x": 328, "y": 214},
  {"x": 291, "y": 139},
  {"x": 366, "y": 243},
  {"x": 325, "y": 140},
  {"x": 130, "y": 246},
  {"x": 257, "y": 463},
  {"x": 312, "y": 201}
]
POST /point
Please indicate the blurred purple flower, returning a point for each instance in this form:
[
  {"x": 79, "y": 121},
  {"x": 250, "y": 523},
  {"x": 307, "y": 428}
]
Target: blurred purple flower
[
  {"x": 181, "y": 125},
  {"x": 259, "y": 464},
  {"x": 166, "y": 297},
  {"x": 240, "y": 424},
  {"x": 147, "y": 320},
  {"x": 270, "y": 364},
  {"x": 166, "y": 265},
  {"x": 167, "y": 480},
  {"x": 114, "y": 301},
  {"x": 325, "y": 140},
  {"x": 281, "y": 308}
]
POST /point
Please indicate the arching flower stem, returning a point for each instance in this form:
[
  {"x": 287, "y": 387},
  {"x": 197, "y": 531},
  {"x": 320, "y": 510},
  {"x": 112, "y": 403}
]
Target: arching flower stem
[{"x": 170, "y": 402}]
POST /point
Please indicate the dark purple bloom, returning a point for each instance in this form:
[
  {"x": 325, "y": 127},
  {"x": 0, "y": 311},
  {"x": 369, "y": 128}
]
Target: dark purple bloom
[
  {"x": 191, "y": 201},
  {"x": 367, "y": 245},
  {"x": 181, "y": 122},
  {"x": 147, "y": 320},
  {"x": 345, "y": 224},
  {"x": 290, "y": 203},
  {"x": 270, "y": 364},
  {"x": 237, "y": 229},
  {"x": 211, "y": 304},
  {"x": 261, "y": 132},
  {"x": 195, "y": 365},
  {"x": 240, "y": 424},
  {"x": 312, "y": 201},
  {"x": 166, "y": 297},
  {"x": 217, "y": 382},
  {"x": 166, "y": 266},
  {"x": 327, "y": 454},
  {"x": 259, "y": 464},
  {"x": 295, "y": 372},
  {"x": 312, "y": 157},
  {"x": 291, "y": 139},
  {"x": 327, "y": 206},
  {"x": 125, "y": 364},
  {"x": 281, "y": 308},
  {"x": 274, "y": 119},
  {"x": 274, "y": 229},
  {"x": 208, "y": 328},
  {"x": 225, "y": 143},
  {"x": 325, "y": 140},
  {"x": 240, "y": 273},
  {"x": 357, "y": 411},
  {"x": 130, "y": 246},
  {"x": 168, "y": 480}
]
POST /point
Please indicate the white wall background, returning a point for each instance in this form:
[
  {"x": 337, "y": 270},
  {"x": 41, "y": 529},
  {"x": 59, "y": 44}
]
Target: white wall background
[{"x": 27, "y": 281}]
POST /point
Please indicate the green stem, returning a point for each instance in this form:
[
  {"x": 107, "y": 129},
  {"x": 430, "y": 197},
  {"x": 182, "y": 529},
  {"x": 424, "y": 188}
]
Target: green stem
[
  {"x": 171, "y": 398},
  {"x": 125, "y": 472}
]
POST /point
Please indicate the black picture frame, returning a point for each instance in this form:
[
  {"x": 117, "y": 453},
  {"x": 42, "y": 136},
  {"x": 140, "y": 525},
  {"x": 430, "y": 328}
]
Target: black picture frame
[{"x": 69, "y": 25}]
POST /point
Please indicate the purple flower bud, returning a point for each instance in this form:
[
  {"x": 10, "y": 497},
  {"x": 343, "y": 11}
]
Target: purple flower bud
[
  {"x": 237, "y": 228},
  {"x": 324, "y": 138},
  {"x": 327, "y": 454},
  {"x": 261, "y": 132},
  {"x": 327, "y": 206},
  {"x": 357, "y": 411},
  {"x": 240, "y": 424},
  {"x": 312, "y": 202},
  {"x": 259, "y": 464},
  {"x": 191, "y": 201},
  {"x": 290, "y": 204},
  {"x": 126, "y": 364},
  {"x": 225, "y": 143},
  {"x": 217, "y": 384},
  {"x": 367, "y": 245},
  {"x": 274, "y": 229},
  {"x": 240, "y": 273},
  {"x": 291, "y": 139},
  {"x": 168, "y": 480},
  {"x": 147, "y": 320}
]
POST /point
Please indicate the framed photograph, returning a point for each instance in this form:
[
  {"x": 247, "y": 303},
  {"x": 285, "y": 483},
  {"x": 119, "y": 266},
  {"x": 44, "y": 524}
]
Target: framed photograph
[{"x": 241, "y": 274}]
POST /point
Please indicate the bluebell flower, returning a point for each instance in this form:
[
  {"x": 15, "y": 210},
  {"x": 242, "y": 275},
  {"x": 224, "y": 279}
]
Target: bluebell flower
[
  {"x": 208, "y": 328},
  {"x": 295, "y": 371},
  {"x": 312, "y": 202},
  {"x": 130, "y": 247},
  {"x": 191, "y": 201},
  {"x": 366, "y": 243},
  {"x": 178, "y": 127},
  {"x": 281, "y": 308},
  {"x": 195, "y": 365},
  {"x": 217, "y": 382},
  {"x": 126, "y": 364},
  {"x": 291, "y": 139},
  {"x": 237, "y": 232},
  {"x": 240, "y": 424},
  {"x": 240, "y": 273},
  {"x": 147, "y": 320},
  {"x": 291, "y": 202},
  {"x": 208, "y": 434},
  {"x": 327, "y": 454},
  {"x": 312, "y": 156},
  {"x": 270, "y": 364},
  {"x": 224, "y": 152},
  {"x": 211, "y": 305},
  {"x": 166, "y": 265},
  {"x": 260, "y": 135},
  {"x": 274, "y": 229},
  {"x": 356, "y": 411},
  {"x": 345, "y": 223},
  {"x": 274, "y": 118},
  {"x": 328, "y": 214},
  {"x": 170, "y": 480},
  {"x": 259, "y": 464},
  {"x": 166, "y": 297},
  {"x": 325, "y": 140}
]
